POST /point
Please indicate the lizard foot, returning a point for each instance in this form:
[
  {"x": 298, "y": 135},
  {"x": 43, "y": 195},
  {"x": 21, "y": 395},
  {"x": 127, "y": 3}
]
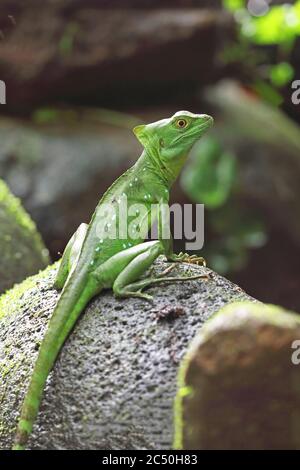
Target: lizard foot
[{"x": 186, "y": 258}]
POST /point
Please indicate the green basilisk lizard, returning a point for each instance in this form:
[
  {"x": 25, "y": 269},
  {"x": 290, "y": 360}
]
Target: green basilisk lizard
[{"x": 96, "y": 258}]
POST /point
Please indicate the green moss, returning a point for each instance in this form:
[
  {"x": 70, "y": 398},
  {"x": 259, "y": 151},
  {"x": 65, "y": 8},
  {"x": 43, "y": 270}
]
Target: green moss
[
  {"x": 9, "y": 302},
  {"x": 23, "y": 252},
  {"x": 14, "y": 208}
]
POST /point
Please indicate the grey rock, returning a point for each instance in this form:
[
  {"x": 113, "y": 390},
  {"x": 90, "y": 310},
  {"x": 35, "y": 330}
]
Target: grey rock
[
  {"x": 240, "y": 382},
  {"x": 114, "y": 382}
]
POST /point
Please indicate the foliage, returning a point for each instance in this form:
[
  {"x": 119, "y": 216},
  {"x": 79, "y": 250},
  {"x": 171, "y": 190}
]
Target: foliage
[
  {"x": 279, "y": 25},
  {"x": 274, "y": 26},
  {"x": 210, "y": 176},
  {"x": 237, "y": 230},
  {"x": 266, "y": 35},
  {"x": 281, "y": 74},
  {"x": 210, "y": 179}
]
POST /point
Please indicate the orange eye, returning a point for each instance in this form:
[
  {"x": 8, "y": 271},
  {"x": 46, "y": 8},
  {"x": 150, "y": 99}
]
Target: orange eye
[{"x": 181, "y": 123}]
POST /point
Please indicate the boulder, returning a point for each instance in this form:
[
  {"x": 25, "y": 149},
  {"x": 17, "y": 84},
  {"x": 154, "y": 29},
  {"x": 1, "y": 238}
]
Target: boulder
[
  {"x": 23, "y": 252},
  {"x": 239, "y": 381},
  {"x": 114, "y": 382}
]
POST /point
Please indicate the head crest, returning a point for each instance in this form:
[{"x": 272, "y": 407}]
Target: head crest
[{"x": 139, "y": 132}]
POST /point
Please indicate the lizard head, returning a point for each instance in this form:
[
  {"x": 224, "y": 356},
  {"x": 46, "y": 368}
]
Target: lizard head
[{"x": 170, "y": 140}]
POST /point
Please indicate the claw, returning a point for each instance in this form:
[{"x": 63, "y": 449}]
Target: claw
[
  {"x": 198, "y": 260},
  {"x": 186, "y": 258}
]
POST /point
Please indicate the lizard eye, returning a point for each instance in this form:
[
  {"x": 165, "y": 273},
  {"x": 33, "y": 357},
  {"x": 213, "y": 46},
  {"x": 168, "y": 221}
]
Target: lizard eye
[{"x": 181, "y": 123}]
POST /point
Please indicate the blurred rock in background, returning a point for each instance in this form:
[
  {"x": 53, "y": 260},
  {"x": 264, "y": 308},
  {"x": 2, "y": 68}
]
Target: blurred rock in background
[
  {"x": 239, "y": 381},
  {"x": 60, "y": 170},
  {"x": 76, "y": 51}
]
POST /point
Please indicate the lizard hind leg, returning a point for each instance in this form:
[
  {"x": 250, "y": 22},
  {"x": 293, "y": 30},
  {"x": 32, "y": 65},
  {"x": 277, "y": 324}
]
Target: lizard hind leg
[
  {"x": 124, "y": 284},
  {"x": 127, "y": 283},
  {"x": 70, "y": 256}
]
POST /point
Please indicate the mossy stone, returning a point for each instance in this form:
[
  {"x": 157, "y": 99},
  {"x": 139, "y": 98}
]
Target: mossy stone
[{"x": 23, "y": 252}]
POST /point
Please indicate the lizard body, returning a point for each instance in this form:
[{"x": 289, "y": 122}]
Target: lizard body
[{"x": 95, "y": 258}]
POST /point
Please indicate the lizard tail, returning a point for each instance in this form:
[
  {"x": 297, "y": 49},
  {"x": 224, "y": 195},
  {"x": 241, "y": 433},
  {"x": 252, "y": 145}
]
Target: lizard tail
[{"x": 61, "y": 323}]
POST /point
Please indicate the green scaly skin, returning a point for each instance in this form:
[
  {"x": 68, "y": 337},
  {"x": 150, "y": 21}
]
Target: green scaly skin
[{"x": 91, "y": 263}]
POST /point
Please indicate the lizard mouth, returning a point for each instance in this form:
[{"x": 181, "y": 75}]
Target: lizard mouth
[{"x": 206, "y": 124}]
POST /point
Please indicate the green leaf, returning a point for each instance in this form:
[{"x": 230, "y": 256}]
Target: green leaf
[
  {"x": 233, "y": 5},
  {"x": 280, "y": 25},
  {"x": 211, "y": 175},
  {"x": 281, "y": 74},
  {"x": 268, "y": 93}
]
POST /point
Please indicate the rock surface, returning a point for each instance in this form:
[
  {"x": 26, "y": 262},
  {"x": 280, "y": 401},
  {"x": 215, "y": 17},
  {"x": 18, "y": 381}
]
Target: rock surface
[
  {"x": 115, "y": 380},
  {"x": 22, "y": 250},
  {"x": 240, "y": 381}
]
